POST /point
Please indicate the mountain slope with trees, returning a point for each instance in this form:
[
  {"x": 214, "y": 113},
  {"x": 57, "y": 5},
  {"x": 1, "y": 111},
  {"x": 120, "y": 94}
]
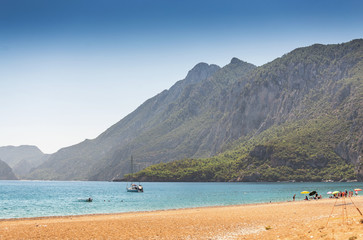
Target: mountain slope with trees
[{"x": 300, "y": 118}]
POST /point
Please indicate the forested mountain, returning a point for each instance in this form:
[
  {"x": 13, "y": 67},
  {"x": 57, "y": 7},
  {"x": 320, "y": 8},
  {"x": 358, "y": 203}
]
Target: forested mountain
[
  {"x": 6, "y": 172},
  {"x": 22, "y": 158},
  {"x": 298, "y": 117}
]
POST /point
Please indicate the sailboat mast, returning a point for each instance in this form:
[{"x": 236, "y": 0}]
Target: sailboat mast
[{"x": 132, "y": 166}]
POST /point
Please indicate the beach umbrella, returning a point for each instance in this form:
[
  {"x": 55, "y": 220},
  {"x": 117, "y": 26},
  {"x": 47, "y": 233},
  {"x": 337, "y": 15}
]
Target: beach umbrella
[
  {"x": 329, "y": 192},
  {"x": 304, "y": 192},
  {"x": 357, "y": 189},
  {"x": 335, "y": 192},
  {"x": 312, "y": 193}
]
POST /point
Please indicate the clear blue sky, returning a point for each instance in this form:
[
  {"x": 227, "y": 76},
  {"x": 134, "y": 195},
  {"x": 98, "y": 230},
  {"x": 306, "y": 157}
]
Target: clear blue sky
[{"x": 69, "y": 69}]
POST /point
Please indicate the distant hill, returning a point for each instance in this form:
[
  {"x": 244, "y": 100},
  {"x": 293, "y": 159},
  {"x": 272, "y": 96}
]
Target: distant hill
[
  {"x": 22, "y": 158},
  {"x": 298, "y": 117},
  {"x": 5, "y": 172}
]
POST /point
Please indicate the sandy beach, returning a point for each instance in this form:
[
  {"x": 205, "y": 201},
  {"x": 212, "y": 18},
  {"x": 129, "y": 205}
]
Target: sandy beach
[{"x": 314, "y": 219}]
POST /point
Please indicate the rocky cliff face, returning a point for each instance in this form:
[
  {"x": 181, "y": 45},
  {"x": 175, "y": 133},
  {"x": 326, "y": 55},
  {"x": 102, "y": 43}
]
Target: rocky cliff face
[
  {"x": 319, "y": 82},
  {"x": 5, "y": 172},
  {"x": 281, "y": 90}
]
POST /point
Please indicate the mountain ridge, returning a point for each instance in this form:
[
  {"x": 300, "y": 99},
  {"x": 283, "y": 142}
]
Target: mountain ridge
[
  {"x": 207, "y": 112},
  {"x": 316, "y": 93}
]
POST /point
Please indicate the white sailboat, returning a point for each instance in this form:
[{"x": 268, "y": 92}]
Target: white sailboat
[{"x": 134, "y": 187}]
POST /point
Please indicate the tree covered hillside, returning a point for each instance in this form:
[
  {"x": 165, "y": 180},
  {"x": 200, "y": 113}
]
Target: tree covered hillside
[{"x": 299, "y": 118}]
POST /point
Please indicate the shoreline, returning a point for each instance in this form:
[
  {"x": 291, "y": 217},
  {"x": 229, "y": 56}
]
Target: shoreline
[
  {"x": 284, "y": 220},
  {"x": 147, "y": 211},
  {"x": 118, "y": 213},
  {"x": 161, "y": 210}
]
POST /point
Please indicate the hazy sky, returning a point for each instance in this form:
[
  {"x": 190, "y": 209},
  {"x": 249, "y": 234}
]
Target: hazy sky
[{"x": 69, "y": 69}]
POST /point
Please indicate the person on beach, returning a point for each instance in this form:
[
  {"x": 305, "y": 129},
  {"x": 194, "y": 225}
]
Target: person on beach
[{"x": 293, "y": 198}]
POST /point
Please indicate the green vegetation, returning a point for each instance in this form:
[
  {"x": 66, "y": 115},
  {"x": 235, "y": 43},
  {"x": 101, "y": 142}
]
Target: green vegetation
[{"x": 300, "y": 151}]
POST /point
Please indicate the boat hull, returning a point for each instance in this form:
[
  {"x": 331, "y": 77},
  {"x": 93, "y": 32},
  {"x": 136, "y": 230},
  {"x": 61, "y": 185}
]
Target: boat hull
[{"x": 132, "y": 190}]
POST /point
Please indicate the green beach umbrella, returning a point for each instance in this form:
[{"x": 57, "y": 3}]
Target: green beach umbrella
[{"x": 335, "y": 192}]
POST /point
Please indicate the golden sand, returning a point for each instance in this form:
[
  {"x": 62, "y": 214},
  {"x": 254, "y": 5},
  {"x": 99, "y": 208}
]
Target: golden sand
[{"x": 314, "y": 219}]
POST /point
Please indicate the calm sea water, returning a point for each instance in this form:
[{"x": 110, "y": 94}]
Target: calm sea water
[{"x": 20, "y": 199}]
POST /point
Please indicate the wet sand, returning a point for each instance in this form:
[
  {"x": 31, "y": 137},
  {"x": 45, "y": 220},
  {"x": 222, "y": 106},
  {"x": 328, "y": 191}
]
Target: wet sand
[{"x": 314, "y": 219}]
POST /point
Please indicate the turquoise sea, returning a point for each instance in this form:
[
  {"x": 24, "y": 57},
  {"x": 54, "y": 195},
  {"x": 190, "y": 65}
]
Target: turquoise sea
[{"x": 19, "y": 199}]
